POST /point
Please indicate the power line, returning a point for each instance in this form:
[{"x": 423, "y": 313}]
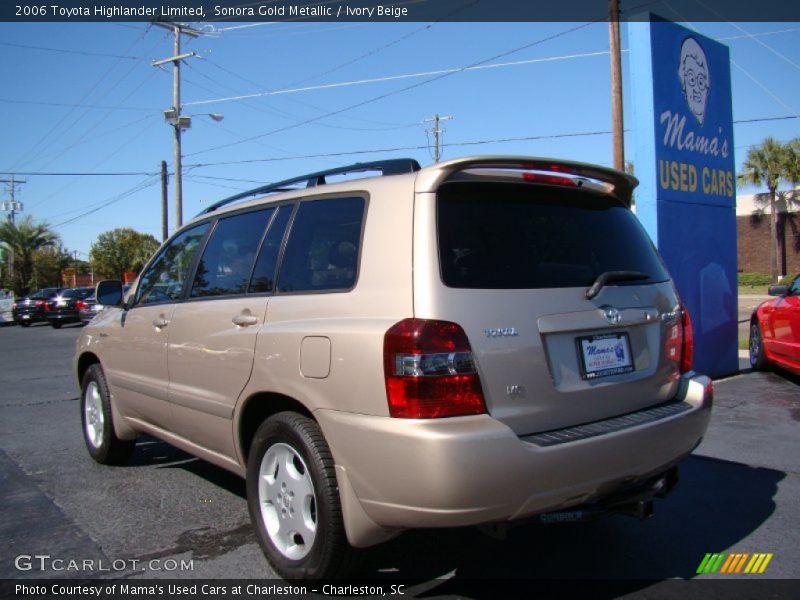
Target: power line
[
  {"x": 392, "y": 93},
  {"x": 103, "y": 159},
  {"x": 66, "y": 105},
  {"x": 51, "y": 132},
  {"x": 344, "y": 153},
  {"x": 440, "y": 72},
  {"x": 66, "y": 51},
  {"x": 751, "y": 36},
  {"x": 270, "y": 109},
  {"x": 137, "y": 188},
  {"x": 399, "y": 148},
  {"x": 758, "y": 34},
  {"x": 759, "y": 120},
  {"x": 65, "y": 174},
  {"x": 766, "y": 89}
]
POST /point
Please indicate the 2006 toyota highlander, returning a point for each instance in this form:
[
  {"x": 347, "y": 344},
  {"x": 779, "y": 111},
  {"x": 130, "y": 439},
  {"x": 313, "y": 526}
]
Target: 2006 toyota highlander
[{"x": 478, "y": 341}]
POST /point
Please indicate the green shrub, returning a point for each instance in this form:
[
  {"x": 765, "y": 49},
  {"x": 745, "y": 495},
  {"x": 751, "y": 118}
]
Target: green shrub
[{"x": 754, "y": 279}]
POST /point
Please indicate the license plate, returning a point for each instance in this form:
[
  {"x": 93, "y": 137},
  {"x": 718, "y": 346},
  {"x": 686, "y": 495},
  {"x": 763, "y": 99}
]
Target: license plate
[
  {"x": 604, "y": 355},
  {"x": 61, "y": 303},
  {"x": 26, "y": 316}
]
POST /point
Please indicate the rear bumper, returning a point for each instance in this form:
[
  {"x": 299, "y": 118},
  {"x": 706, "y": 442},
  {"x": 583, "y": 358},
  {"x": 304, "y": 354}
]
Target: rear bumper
[
  {"x": 471, "y": 470},
  {"x": 71, "y": 316},
  {"x": 28, "y": 316}
]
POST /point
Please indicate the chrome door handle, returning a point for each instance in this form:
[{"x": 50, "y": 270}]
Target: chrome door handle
[
  {"x": 244, "y": 320},
  {"x": 160, "y": 323}
]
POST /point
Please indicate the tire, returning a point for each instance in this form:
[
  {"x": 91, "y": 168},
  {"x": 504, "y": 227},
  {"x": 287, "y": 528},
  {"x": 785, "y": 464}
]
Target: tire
[
  {"x": 97, "y": 421},
  {"x": 56, "y": 324},
  {"x": 758, "y": 359},
  {"x": 24, "y": 324},
  {"x": 294, "y": 499}
]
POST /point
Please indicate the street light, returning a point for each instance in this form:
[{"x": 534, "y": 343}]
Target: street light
[
  {"x": 181, "y": 123},
  {"x": 185, "y": 121}
]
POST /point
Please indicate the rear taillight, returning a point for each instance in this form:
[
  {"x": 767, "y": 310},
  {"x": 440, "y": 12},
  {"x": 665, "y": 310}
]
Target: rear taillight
[
  {"x": 80, "y": 305},
  {"x": 40, "y": 303},
  {"x": 687, "y": 353},
  {"x": 679, "y": 345},
  {"x": 430, "y": 371}
]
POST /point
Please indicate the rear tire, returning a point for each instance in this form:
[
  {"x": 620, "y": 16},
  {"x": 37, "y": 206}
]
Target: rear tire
[
  {"x": 24, "y": 324},
  {"x": 294, "y": 499},
  {"x": 758, "y": 359},
  {"x": 56, "y": 324},
  {"x": 97, "y": 419}
]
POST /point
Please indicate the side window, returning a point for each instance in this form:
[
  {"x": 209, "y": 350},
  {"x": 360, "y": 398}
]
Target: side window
[
  {"x": 228, "y": 258},
  {"x": 323, "y": 247},
  {"x": 164, "y": 279},
  {"x": 264, "y": 274}
]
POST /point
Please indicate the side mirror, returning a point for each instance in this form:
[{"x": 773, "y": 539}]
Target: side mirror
[
  {"x": 778, "y": 290},
  {"x": 109, "y": 292}
]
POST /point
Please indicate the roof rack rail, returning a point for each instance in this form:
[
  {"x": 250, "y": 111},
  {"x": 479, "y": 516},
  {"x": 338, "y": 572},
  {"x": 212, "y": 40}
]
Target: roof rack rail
[{"x": 396, "y": 166}]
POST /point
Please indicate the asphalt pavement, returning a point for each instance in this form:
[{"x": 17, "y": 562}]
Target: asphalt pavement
[{"x": 171, "y": 515}]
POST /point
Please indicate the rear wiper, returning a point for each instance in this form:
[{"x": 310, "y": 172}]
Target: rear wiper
[{"x": 610, "y": 276}]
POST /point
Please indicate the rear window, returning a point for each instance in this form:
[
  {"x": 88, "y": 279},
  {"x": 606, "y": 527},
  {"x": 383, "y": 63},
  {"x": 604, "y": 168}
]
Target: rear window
[
  {"x": 44, "y": 293},
  {"x": 511, "y": 236},
  {"x": 76, "y": 293}
]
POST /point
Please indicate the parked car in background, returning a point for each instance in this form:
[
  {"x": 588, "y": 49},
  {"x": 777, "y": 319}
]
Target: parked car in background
[
  {"x": 89, "y": 307},
  {"x": 775, "y": 329},
  {"x": 30, "y": 309},
  {"x": 64, "y": 308}
]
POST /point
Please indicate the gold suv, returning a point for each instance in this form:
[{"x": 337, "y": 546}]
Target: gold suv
[{"x": 479, "y": 341}]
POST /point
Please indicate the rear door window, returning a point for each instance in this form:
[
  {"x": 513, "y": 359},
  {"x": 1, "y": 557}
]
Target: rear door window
[
  {"x": 227, "y": 261},
  {"x": 263, "y": 279},
  {"x": 511, "y": 236}
]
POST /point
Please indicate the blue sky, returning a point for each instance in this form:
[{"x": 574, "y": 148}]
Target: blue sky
[{"x": 84, "y": 98}]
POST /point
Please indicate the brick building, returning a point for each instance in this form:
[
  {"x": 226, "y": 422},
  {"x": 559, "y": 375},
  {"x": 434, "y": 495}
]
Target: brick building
[{"x": 753, "y": 222}]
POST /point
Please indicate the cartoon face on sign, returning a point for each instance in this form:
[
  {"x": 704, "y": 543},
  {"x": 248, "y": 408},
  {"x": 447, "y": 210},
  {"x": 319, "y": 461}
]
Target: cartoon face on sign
[{"x": 694, "y": 76}]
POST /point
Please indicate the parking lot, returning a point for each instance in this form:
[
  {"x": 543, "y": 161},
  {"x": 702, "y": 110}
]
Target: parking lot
[{"x": 739, "y": 492}]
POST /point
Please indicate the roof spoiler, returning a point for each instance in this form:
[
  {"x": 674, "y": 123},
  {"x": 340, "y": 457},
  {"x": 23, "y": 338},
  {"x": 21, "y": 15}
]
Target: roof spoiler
[{"x": 622, "y": 184}]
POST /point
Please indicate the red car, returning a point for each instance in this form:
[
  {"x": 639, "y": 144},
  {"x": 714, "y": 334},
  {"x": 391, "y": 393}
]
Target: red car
[{"x": 775, "y": 329}]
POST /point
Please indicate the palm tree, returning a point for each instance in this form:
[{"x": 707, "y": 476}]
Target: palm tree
[
  {"x": 767, "y": 164},
  {"x": 22, "y": 240}
]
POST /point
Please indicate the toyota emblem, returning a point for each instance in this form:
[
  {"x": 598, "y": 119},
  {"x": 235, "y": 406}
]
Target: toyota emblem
[{"x": 612, "y": 315}]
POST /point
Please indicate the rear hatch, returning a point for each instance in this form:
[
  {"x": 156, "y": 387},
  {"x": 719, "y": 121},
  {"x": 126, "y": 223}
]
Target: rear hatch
[{"x": 517, "y": 255}]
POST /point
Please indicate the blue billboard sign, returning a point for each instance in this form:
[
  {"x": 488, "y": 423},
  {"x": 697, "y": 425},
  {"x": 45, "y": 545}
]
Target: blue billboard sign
[{"x": 683, "y": 129}]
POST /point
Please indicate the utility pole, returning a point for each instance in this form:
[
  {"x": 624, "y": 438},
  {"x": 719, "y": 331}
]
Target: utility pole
[
  {"x": 437, "y": 134},
  {"x": 173, "y": 115},
  {"x": 164, "y": 208},
  {"x": 616, "y": 85},
  {"x": 12, "y": 207}
]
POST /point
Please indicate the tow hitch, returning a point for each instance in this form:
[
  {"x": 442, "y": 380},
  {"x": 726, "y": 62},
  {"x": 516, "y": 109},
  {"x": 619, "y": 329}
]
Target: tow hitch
[{"x": 635, "y": 502}]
